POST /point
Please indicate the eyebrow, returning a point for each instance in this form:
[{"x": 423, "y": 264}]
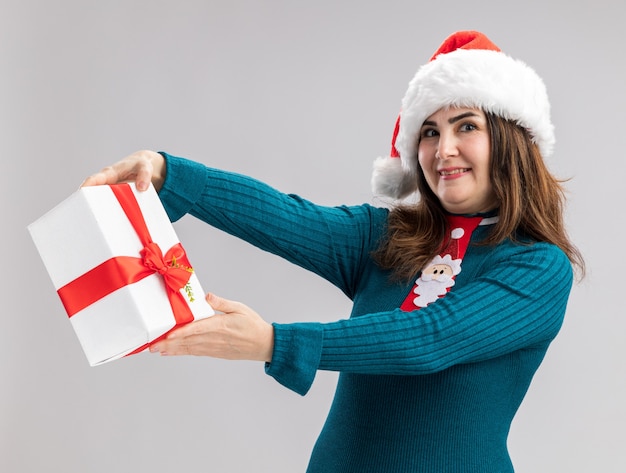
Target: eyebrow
[{"x": 453, "y": 119}]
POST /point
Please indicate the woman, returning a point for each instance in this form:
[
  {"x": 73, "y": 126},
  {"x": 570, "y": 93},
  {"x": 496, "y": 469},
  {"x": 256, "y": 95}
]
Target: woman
[{"x": 456, "y": 298}]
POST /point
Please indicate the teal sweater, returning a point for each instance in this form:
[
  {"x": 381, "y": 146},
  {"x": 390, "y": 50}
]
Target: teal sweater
[{"x": 433, "y": 390}]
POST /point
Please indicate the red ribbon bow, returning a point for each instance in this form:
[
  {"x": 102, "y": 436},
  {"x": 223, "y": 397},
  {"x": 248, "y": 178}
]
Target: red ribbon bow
[
  {"x": 168, "y": 266},
  {"x": 121, "y": 271}
]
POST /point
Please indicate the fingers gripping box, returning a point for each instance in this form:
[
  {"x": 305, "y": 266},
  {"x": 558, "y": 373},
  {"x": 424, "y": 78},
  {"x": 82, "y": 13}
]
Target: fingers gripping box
[{"x": 119, "y": 269}]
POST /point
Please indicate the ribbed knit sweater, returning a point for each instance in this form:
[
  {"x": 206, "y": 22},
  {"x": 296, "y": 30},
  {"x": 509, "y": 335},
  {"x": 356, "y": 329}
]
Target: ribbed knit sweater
[{"x": 433, "y": 390}]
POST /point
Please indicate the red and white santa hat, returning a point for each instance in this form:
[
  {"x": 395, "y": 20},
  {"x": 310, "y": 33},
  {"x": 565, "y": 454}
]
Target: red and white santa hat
[{"x": 467, "y": 70}]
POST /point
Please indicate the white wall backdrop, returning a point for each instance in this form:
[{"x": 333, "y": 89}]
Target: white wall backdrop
[{"x": 304, "y": 96}]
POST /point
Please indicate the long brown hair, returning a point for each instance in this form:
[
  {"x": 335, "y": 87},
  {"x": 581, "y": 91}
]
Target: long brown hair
[{"x": 531, "y": 204}]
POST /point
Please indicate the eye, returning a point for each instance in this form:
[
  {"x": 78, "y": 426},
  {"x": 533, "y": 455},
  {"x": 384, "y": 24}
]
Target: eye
[
  {"x": 468, "y": 126},
  {"x": 428, "y": 133}
]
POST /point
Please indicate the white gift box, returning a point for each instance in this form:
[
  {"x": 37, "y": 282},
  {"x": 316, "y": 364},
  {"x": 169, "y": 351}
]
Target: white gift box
[{"x": 91, "y": 229}]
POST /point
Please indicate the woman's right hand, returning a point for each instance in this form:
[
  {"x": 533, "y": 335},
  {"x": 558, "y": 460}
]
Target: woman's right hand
[{"x": 141, "y": 167}]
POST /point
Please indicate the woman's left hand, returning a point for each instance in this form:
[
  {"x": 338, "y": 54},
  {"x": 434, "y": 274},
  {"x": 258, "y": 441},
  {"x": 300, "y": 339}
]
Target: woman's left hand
[{"x": 236, "y": 333}]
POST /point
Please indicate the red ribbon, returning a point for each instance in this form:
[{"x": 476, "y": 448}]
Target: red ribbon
[{"x": 121, "y": 271}]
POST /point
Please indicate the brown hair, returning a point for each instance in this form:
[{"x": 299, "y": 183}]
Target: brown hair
[{"x": 531, "y": 203}]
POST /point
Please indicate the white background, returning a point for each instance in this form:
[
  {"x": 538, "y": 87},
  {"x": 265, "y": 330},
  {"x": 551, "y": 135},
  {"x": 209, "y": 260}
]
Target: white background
[{"x": 302, "y": 95}]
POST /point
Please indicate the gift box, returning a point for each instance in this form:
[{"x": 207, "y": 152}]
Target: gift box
[{"x": 119, "y": 269}]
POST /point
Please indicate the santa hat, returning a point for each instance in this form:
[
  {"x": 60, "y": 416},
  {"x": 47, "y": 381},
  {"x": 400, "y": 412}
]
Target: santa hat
[{"x": 467, "y": 70}]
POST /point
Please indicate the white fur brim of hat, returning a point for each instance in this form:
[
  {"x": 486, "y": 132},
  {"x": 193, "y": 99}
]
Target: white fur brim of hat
[{"x": 489, "y": 80}]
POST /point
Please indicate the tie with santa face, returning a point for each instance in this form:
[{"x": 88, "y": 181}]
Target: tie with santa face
[{"x": 437, "y": 277}]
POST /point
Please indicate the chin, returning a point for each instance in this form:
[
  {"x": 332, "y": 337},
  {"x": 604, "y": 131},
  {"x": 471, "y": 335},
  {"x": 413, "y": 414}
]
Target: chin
[{"x": 461, "y": 208}]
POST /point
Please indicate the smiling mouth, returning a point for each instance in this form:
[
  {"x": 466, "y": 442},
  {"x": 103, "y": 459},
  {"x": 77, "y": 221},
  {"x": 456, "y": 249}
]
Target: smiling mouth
[{"x": 452, "y": 172}]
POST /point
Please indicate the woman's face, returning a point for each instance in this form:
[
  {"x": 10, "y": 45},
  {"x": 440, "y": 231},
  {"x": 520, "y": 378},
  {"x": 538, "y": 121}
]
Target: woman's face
[{"x": 454, "y": 154}]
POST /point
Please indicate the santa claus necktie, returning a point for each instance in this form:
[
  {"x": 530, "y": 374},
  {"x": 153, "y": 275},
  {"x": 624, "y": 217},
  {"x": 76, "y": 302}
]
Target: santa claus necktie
[{"x": 438, "y": 276}]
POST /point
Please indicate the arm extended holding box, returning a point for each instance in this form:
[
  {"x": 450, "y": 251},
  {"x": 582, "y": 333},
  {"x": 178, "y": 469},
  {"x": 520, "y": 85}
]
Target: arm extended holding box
[{"x": 236, "y": 332}]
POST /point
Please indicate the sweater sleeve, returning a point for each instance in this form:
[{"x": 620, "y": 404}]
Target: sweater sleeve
[
  {"x": 517, "y": 303},
  {"x": 333, "y": 242}
]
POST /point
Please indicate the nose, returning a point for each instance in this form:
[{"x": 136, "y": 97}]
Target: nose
[{"x": 446, "y": 146}]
